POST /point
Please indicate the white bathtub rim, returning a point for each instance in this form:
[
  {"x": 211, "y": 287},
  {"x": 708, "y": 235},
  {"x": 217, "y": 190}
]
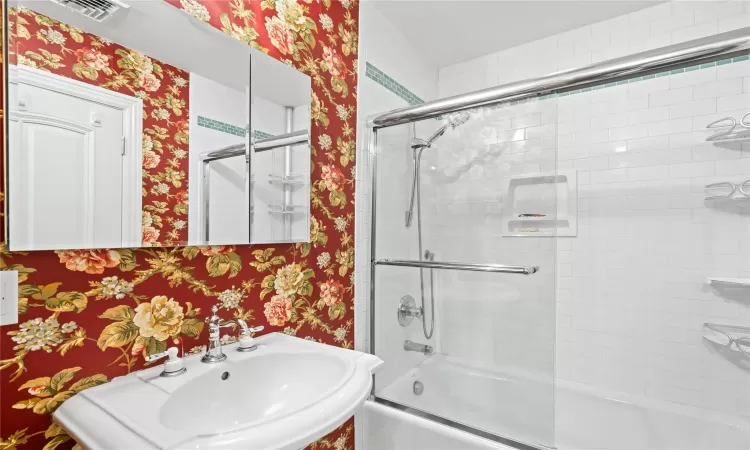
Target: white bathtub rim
[{"x": 568, "y": 387}]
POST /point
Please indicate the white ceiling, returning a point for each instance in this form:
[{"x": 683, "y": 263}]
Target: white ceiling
[{"x": 451, "y": 31}]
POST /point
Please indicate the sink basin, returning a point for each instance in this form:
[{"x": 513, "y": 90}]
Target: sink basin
[
  {"x": 285, "y": 395},
  {"x": 261, "y": 389}
]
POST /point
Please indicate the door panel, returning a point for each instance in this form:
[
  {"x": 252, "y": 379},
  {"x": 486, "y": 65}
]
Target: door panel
[
  {"x": 66, "y": 161},
  {"x": 54, "y": 164}
]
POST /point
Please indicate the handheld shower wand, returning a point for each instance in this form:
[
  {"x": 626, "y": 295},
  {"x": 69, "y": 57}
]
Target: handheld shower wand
[{"x": 418, "y": 146}]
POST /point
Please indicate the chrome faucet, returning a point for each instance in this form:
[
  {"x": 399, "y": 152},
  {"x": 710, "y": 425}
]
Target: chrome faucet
[
  {"x": 215, "y": 323},
  {"x": 410, "y": 346}
]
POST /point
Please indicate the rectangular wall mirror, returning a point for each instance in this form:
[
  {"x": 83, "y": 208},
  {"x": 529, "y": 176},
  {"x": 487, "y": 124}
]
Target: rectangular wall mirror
[{"x": 136, "y": 126}]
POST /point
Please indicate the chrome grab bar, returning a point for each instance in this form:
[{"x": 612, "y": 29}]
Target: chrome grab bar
[{"x": 497, "y": 268}]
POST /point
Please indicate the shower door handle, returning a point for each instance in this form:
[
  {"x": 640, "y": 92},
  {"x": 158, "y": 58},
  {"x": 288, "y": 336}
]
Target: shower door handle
[{"x": 492, "y": 268}]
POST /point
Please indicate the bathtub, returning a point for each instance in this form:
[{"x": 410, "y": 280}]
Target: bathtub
[{"x": 584, "y": 418}]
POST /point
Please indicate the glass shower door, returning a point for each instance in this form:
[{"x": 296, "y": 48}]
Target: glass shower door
[{"x": 463, "y": 306}]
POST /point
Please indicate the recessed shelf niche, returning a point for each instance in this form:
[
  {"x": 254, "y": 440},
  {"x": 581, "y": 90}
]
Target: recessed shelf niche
[{"x": 542, "y": 204}]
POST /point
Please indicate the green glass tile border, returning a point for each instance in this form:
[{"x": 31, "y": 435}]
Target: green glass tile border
[
  {"x": 229, "y": 128},
  {"x": 261, "y": 135},
  {"x": 221, "y": 126},
  {"x": 392, "y": 85},
  {"x": 648, "y": 77}
]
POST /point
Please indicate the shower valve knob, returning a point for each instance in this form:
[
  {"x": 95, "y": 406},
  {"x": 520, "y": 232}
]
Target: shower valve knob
[{"x": 408, "y": 310}]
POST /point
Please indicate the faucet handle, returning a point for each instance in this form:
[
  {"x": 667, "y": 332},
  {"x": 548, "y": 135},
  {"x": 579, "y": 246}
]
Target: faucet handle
[
  {"x": 214, "y": 317},
  {"x": 171, "y": 352},
  {"x": 247, "y": 342},
  {"x": 173, "y": 366}
]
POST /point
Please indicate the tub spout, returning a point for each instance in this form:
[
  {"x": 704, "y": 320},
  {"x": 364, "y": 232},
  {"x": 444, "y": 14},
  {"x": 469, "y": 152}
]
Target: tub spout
[{"x": 410, "y": 346}]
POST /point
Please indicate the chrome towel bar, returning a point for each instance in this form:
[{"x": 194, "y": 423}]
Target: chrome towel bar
[{"x": 498, "y": 268}]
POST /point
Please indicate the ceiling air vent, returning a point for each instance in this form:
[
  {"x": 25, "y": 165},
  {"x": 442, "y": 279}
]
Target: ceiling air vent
[{"x": 99, "y": 10}]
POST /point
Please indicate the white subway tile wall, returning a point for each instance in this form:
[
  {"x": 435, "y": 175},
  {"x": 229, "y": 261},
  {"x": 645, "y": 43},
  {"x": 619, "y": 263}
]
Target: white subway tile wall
[
  {"x": 630, "y": 299},
  {"x": 647, "y": 29},
  {"x": 502, "y": 320}
]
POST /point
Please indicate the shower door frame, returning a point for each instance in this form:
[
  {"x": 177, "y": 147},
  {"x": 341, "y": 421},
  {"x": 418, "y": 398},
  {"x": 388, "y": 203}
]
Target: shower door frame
[{"x": 619, "y": 70}]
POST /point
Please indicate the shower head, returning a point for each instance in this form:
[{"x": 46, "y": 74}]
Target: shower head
[
  {"x": 454, "y": 120},
  {"x": 458, "y": 118}
]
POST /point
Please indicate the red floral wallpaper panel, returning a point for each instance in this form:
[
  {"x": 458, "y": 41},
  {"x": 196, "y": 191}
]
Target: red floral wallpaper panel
[
  {"x": 87, "y": 316},
  {"x": 46, "y": 44}
]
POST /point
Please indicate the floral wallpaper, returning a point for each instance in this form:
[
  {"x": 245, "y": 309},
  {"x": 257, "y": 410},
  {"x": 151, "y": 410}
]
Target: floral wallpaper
[
  {"x": 87, "y": 316},
  {"x": 47, "y": 44}
]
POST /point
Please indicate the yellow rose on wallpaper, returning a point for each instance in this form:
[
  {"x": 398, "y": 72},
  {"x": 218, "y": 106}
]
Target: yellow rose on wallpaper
[
  {"x": 292, "y": 13},
  {"x": 159, "y": 319},
  {"x": 317, "y": 232},
  {"x": 288, "y": 280}
]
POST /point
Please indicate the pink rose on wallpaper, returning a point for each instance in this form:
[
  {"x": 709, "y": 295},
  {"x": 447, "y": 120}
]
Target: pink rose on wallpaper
[
  {"x": 278, "y": 311},
  {"x": 150, "y": 235},
  {"x": 183, "y": 125},
  {"x": 279, "y": 34},
  {"x": 150, "y": 160},
  {"x": 332, "y": 292},
  {"x": 333, "y": 61},
  {"x": 214, "y": 250},
  {"x": 181, "y": 196},
  {"x": 92, "y": 58},
  {"x": 89, "y": 261},
  {"x": 37, "y": 390},
  {"x": 333, "y": 178},
  {"x": 149, "y": 82}
]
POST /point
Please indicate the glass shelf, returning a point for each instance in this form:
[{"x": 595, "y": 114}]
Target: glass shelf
[
  {"x": 291, "y": 179},
  {"x": 729, "y": 337},
  {"x": 292, "y": 209},
  {"x": 728, "y": 282}
]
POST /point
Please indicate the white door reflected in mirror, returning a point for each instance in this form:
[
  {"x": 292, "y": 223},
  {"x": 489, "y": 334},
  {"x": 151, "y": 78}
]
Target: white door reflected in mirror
[{"x": 72, "y": 147}]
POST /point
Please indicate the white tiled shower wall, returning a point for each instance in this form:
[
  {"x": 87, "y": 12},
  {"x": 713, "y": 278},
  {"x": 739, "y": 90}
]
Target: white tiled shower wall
[
  {"x": 382, "y": 45},
  {"x": 385, "y": 47},
  {"x": 630, "y": 298},
  {"x": 658, "y": 26}
]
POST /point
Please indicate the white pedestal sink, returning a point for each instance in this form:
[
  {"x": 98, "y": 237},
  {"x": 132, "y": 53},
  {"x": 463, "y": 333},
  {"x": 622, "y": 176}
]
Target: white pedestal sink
[{"x": 284, "y": 395}]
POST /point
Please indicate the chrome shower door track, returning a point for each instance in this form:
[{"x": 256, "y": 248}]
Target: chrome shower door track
[{"x": 460, "y": 426}]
